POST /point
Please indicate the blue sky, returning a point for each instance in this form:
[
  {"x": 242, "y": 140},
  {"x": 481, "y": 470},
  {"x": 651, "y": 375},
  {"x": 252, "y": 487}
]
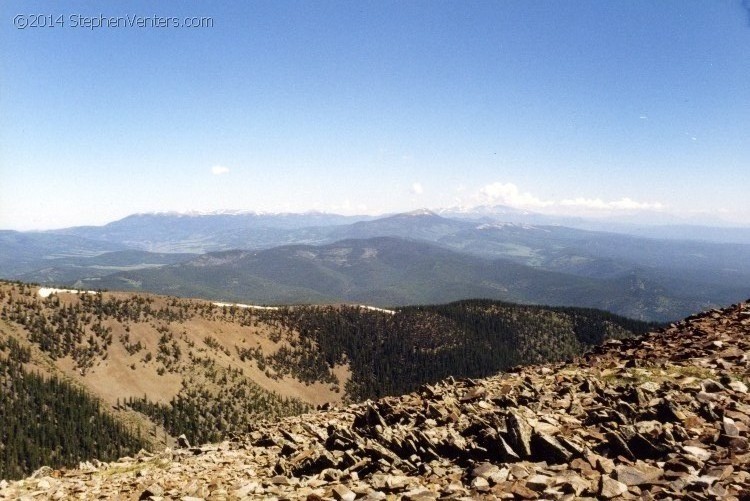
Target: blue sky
[{"x": 572, "y": 107}]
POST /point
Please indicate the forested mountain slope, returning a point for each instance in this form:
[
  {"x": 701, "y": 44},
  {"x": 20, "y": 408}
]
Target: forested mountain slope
[
  {"x": 163, "y": 366},
  {"x": 661, "y": 416},
  {"x": 387, "y": 271}
]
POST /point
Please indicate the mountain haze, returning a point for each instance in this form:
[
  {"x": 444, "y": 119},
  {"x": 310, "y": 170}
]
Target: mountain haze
[
  {"x": 389, "y": 271},
  {"x": 292, "y": 258},
  {"x": 196, "y": 232}
]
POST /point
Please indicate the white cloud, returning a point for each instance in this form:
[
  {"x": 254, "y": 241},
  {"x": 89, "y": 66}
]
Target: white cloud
[
  {"x": 417, "y": 188},
  {"x": 509, "y": 194},
  {"x": 624, "y": 203},
  {"x": 218, "y": 170}
]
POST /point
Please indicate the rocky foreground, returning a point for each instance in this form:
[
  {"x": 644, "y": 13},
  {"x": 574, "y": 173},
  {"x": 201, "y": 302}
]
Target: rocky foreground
[{"x": 665, "y": 416}]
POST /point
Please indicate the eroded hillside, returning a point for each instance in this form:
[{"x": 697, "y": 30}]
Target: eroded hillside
[{"x": 188, "y": 366}]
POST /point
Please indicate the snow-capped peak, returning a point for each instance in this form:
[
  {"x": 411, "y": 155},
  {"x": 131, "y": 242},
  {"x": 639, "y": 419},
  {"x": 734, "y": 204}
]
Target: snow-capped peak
[{"x": 420, "y": 212}]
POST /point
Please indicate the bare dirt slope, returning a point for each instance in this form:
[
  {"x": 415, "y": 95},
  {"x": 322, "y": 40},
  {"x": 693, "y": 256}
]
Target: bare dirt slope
[{"x": 122, "y": 346}]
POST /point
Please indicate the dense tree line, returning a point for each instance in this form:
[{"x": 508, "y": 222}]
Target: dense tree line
[
  {"x": 393, "y": 354},
  {"x": 48, "y": 421}
]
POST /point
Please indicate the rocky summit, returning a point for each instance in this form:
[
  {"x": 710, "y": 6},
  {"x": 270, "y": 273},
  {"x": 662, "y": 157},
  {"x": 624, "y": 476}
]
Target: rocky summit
[{"x": 662, "y": 416}]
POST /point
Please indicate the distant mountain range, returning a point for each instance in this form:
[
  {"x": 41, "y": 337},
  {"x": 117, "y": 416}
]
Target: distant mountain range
[
  {"x": 659, "y": 224},
  {"x": 410, "y": 258}
]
